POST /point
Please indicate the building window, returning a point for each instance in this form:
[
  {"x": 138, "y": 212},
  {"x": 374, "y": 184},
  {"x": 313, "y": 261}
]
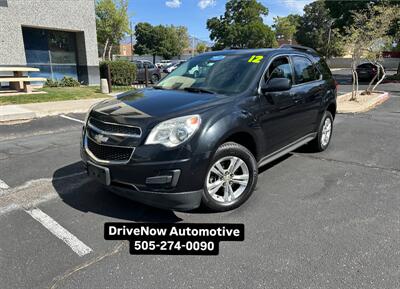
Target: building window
[
  {"x": 52, "y": 51},
  {"x": 3, "y": 3}
]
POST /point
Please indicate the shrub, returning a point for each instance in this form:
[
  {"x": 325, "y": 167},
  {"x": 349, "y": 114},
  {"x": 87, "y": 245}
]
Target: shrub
[
  {"x": 66, "y": 81},
  {"x": 51, "y": 83},
  {"x": 69, "y": 82},
  {"x": 122, "y": 72}
]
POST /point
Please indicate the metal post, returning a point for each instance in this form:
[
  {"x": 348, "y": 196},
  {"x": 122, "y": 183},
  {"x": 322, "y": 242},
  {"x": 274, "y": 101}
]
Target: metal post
[
  {"x": 51, "y": 66},
  {"x": 146, "y": 77},
  {"x": 109, "y": 78}
]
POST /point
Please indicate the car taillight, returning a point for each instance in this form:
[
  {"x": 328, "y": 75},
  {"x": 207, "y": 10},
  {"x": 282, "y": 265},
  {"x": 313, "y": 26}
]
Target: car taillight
[{"x": 336, "y": 84}]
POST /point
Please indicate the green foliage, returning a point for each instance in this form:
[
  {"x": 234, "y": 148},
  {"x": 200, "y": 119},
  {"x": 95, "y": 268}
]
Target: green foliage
[
  {"x": 122, "y": 72},
  {"x": 112, "y": 22},
  {"x": 51, "y": 83},
  {"x": 315, "y": 30},
  {"x": 64, "y": 82},
  {"x": 69, "y": 82},
  {"x": 166, "y": 41},
  {"x": 201, "y": 48},
  {"x": 286, "y": 27},
  {"x": 241, "y": 26}
]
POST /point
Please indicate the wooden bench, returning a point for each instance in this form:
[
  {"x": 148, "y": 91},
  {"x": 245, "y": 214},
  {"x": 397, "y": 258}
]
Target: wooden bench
[{"x": 18, "y": 81}]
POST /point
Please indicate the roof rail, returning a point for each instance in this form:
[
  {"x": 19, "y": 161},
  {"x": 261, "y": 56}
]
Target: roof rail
[{"x": 297, "y": 47}]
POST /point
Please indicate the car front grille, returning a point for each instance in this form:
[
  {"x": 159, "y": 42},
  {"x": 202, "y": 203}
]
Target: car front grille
[
  {"x": 116, "y": 129},
  {"x": 109, "y": 153},
  {"x": 107, "y": 142}
]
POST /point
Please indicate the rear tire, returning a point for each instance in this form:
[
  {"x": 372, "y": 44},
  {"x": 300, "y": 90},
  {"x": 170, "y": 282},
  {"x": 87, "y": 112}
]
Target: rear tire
[
  {"x": 231, "y": 178},
  {"x": 324, "y": 136}
]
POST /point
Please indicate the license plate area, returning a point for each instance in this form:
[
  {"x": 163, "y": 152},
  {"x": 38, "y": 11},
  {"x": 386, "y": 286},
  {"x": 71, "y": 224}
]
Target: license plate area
[{"x": 101, "y": 174}]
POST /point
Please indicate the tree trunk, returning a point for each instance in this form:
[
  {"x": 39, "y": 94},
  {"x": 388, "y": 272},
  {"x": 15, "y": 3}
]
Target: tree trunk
[
  {"x": 109, "y": 52},
  {"x": 154, "y": 59},
  {"x": 383, "y": 76},
  {"x": 105, "y": 49}
]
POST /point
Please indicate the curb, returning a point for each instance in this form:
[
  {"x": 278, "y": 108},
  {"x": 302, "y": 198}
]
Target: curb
[
  {"x": 374, "y": 103},
  {"x": 15, "y": 112},
  {"x": 36, "y": 110}
]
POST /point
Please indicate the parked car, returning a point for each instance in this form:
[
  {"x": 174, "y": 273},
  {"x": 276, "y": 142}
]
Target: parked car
[
  {"x": 201, "y": 139},
  {"x": 367, "y": 71},
  {"x": 153, "y": 73},
  {"x": 173, "y": 66}
]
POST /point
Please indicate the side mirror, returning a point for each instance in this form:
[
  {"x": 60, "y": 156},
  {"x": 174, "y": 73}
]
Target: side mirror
[{"x": 276, "y": 84}]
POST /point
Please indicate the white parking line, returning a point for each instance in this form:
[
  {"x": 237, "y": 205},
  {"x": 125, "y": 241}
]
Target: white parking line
[
  {"x": 60, "y": 232},
  {"x": 71, "y": 118}
]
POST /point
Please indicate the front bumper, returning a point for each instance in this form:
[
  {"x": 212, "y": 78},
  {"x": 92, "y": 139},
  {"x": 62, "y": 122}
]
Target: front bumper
[{"x": 176, "y": 183}]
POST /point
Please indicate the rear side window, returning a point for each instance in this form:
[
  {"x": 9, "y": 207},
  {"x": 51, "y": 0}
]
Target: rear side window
[
  {"x": 323, "y": 68},
  {"x": 304, "y": 70},
  {"x": 138, "y": 64},
  {"x": 149, "y": 64}
]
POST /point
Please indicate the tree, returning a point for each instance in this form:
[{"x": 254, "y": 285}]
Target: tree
[
  {"x": 201, "y": 48},
  {"x": 315, "y": 30},
  {"x": 166, "y": 41},
  {"x": 367, "y": 37},
  {"x": 241, "y": 26},
  {"x": 112, "y": 22},
  {"x": 286, "y": 27}
]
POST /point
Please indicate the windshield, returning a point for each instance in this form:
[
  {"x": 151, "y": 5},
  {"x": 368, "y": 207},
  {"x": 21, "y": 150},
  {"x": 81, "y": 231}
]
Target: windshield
[{"x": 224, "y": 74}]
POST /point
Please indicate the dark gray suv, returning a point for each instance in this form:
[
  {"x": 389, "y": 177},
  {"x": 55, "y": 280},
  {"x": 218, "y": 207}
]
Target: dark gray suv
[{"x": 153, "y": 73}]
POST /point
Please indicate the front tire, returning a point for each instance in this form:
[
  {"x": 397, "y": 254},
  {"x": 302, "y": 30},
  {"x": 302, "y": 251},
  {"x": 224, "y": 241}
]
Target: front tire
[
  {"x": 323, "y": 138},
  {"x": 231, "y": 178}
]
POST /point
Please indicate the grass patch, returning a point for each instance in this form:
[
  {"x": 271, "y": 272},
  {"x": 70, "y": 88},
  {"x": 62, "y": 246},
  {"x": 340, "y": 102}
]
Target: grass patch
[{"x": 54, "y": 94}]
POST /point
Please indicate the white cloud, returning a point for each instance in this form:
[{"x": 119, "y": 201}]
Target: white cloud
[
  {"x": 296, "y": 5},
  {"x": 173, "y": 3},
  {"x": 203, "y": 4}
]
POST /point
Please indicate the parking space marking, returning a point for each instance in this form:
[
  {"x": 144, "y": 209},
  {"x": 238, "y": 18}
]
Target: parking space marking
[
  {"x": 71, "y": 118},
  {"x": 60, "y": 232}
]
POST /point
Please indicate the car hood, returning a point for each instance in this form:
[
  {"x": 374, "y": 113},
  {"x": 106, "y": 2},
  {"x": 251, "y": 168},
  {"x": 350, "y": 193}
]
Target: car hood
[{"x": 156, "y": 103}]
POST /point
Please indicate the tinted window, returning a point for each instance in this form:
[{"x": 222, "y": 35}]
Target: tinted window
[
  {"x": 279, "y": 68},
  {"x": 323, "y": 68},
  {"x": 304, "y": 70},
  {"x": 138, "y": 64},
  {"x": 149, "y": 64}
]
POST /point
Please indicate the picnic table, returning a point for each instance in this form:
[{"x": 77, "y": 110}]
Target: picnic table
[{"x": 18, "y": 81}]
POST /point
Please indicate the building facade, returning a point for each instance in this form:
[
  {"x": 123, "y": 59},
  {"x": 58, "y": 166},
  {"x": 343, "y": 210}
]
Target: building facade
[{"x": 57, "y": 36}]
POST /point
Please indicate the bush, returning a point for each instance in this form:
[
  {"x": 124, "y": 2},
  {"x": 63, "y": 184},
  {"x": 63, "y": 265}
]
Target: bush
[
  {"x": 51, "y": 83},
  {"x": 69, "y": 82},
  {"x": 122, "y": 72},
  {"x": 64, "y": 82}
]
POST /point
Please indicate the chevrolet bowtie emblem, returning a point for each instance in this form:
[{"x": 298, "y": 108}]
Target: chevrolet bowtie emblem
[{"x": 101, "y": 138}]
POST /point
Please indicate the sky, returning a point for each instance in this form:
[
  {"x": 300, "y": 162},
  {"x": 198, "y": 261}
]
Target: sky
[{"x": 194, "y": 13}]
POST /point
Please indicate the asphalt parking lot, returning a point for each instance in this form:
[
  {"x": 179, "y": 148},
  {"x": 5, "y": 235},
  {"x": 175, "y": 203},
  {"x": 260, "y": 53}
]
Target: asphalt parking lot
[{"x": 328, "y": 220}]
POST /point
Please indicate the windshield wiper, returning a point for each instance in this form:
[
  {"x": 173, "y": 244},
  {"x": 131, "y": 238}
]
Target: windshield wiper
[{"x": 198, "y": 89}]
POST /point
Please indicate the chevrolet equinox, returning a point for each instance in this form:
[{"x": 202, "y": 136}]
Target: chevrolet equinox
[{"x": 200, "y": 135}]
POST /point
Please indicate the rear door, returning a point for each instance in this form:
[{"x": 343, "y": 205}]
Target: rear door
[{"x": 307, "y": 93}]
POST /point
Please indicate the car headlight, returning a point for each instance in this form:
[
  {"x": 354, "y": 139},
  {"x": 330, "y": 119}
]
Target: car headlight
[{"x": 173, "y": 132}]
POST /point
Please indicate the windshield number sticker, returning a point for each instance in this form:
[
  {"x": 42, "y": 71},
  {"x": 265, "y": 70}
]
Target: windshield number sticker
[{"x": 255, "y": 59}]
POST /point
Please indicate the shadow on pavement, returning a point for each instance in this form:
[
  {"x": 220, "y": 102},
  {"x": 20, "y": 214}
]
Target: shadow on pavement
[{"x": 86, "y": 195}]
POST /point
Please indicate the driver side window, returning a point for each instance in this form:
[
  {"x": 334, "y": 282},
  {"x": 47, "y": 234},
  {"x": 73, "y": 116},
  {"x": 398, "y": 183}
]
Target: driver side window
[{"x": 279, "y": 68}]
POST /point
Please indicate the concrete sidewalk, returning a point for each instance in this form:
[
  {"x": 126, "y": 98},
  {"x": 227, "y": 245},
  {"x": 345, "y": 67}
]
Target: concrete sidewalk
[{"x": 35, "y": 110}]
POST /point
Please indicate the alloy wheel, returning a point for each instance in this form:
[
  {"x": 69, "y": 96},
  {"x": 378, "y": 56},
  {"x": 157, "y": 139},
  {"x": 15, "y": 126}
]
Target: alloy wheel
[{"x": 227, "y": 179}]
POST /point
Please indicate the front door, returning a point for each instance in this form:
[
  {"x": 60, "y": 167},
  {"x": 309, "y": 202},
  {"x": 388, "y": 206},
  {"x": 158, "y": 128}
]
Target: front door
[{"x": 277, "y": 108}]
